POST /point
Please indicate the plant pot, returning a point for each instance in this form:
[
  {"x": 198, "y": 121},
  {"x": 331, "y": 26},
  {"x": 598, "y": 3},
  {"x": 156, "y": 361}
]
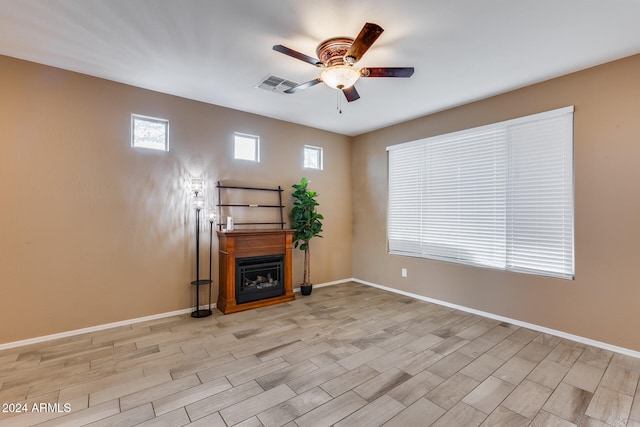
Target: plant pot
[{"x": 306, "y": 289}]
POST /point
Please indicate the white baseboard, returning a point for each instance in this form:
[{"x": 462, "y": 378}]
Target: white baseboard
[
  {"x": 335, "y": 282},
  {"x": 531, "y": 326},
  {"x": 98, "y": 328}
]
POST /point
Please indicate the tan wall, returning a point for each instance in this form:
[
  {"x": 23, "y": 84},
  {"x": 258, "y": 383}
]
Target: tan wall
[
  {"x": 93, "y": 231},
  {"x": 602, "y": 302}
]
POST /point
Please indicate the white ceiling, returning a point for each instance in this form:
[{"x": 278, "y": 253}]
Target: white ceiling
[{"x": 217, "y": 51}]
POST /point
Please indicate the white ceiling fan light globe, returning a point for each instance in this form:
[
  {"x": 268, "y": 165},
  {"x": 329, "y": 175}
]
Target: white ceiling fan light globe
[{"x": 340, "y": 76}]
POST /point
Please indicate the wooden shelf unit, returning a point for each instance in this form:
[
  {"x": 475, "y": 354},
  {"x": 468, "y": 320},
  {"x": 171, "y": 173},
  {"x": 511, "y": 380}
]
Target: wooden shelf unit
[{"x": 277, "y": 205}]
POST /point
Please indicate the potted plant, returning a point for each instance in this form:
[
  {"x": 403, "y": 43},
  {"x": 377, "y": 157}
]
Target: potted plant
[{"x": 305, "y": 221}]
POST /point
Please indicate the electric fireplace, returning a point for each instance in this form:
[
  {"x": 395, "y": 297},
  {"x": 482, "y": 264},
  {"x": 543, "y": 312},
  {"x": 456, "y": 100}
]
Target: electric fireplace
[
  {"x": 259, "y": 278},
  {"x": 255, "y": 269}
]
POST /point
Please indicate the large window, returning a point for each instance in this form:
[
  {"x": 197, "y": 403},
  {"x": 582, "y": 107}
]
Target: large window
[{"x": 498, "y": 196}]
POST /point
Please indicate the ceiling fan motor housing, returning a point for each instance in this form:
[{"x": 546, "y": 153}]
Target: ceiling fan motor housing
[{"x": 332, "y": 52}]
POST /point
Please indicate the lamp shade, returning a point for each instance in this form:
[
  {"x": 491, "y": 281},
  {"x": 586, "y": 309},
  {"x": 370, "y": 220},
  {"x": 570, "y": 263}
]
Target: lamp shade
[
  {"x": 197, "y": 185},
  {"x": 211, "y": 216},
  {"x": 340, "y": 76},
  {"x": 198, "y": 202}
]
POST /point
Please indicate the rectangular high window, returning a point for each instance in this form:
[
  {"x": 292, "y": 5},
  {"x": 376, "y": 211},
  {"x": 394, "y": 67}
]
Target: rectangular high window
[
  {"x": 149, "y": 132},
  {"x": 312, "y": 157},
  {"x": 246, "y": 147},
  {"x": 498, "y": 196}
]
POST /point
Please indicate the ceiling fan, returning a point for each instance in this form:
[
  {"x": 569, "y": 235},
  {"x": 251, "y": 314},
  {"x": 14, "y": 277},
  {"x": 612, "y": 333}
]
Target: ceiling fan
[{"x": 338, "y": 56}]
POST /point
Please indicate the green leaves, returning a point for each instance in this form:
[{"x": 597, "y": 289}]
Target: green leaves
[{"x": 305, "y": 220}]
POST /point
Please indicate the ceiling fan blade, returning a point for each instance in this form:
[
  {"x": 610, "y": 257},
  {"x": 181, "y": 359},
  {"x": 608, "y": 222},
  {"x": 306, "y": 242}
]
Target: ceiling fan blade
[
  {"x": 351, "y": 94},
  {"x": 387, "y": 72},
  {"x": 298, "y": 55},
  {"x": 303, "y": 86},
  {"x": 368, "y": 35}
]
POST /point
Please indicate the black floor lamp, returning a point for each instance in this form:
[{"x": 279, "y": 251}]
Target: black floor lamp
[{"x": 198, "y": 204}]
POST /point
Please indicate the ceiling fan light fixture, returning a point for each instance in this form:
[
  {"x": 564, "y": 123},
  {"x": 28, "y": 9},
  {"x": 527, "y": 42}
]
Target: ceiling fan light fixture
[
  {"x": 340, "y": 76},
  {"x": 337, "y": 56}
]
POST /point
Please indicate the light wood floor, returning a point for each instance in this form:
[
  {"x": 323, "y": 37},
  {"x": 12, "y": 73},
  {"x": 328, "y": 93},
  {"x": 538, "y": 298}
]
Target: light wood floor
[{"x": 348, "y": 355}]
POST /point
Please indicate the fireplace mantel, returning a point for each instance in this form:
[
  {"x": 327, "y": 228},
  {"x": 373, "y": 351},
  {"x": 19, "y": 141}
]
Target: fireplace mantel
[{"x": 251, "y": 243}]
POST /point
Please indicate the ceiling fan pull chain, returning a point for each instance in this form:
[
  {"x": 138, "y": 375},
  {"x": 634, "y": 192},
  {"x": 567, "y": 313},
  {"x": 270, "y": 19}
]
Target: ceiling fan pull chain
[{"x": 338, "y": 103}]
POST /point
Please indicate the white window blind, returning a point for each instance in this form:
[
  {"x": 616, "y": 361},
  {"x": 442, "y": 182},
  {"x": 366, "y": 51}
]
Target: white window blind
[{"x": 498, "y": 196}]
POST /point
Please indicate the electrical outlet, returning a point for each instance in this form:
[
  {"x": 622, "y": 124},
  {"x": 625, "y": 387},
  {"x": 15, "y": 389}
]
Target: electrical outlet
[{"x": 404, "y": 272}]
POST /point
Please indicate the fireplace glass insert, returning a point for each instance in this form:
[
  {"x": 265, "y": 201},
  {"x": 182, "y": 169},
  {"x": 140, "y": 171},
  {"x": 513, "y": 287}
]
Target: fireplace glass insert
[{"x": 259, "y": 278}]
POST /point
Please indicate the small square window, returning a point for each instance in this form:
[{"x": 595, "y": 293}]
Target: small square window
[
  {"x": 149, "y": 132},
  {"x": 247, "y": 147},
  {"x": 312, "y": 157}
]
